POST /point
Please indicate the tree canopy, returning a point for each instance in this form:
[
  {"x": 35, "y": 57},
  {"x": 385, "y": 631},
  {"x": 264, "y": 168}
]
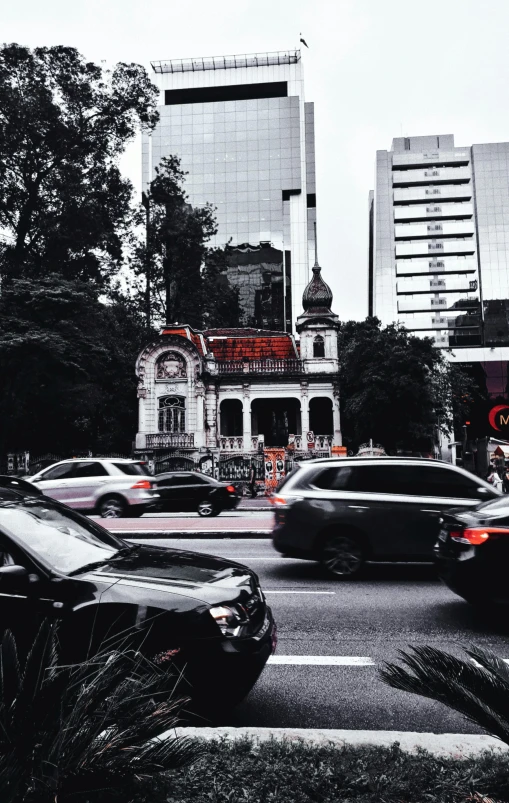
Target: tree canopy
[
  {"x": 396, "y": 388},
  {"x": 67, "y": 364},
  {"x": 64, "y": 206}
]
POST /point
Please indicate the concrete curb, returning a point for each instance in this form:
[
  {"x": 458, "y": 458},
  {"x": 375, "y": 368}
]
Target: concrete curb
[
  {"x": 452, "y": 745},
  {"x": 225, "y": 534}
]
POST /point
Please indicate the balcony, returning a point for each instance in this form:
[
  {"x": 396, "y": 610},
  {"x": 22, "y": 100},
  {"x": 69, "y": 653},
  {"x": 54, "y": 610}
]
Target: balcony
[
  {"x": 290, "y": 366},
  {"x": 445, "y": 228},
  {"x": 446, "y": 192},
  {"x": 433, "y": 211},
  {"x": 169, "y": 440},
  {"x": 431, "y": 175},
  {"x": 409, "y": 250}
]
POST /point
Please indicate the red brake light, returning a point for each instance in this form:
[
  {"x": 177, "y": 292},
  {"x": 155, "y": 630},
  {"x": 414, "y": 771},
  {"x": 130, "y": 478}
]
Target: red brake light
[
  {"x": 145, "y": 484},
  {"x": 230, "y": 489},
  {"x": 478, "y": 535}
]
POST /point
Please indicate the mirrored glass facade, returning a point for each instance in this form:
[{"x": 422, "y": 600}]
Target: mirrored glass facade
[{"x": 246, "y": 137}]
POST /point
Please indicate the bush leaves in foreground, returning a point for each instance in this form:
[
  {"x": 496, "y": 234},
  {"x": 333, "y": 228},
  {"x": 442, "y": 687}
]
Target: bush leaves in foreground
[
  {"x": 88, "y": 732},
  {"x": 478, "y": 689}
]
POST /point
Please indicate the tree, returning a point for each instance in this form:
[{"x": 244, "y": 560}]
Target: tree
[
  {"x": 397, "y": 388},
  {"x": 67, "y": 365},
  {"x": 64, "y": 207},
  {"x": 185, "y": 280}
]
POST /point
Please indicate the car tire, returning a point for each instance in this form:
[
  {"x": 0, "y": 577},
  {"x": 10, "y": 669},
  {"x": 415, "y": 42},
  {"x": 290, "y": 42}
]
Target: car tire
[
  {"x": 206, "y": 509},
  {"x": 112, "y": 507},
  {"x": 342, "y": 555}
]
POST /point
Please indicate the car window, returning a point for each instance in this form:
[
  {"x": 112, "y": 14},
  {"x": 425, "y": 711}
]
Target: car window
[
  {"x": 91, "y": 469},
  {"x": 333, "y": 479},
  {"x": 191, "y": 479},
  {"x": 439, "y": 481},
  {"x": 383, "y": 479},
  {"x": 133, "y": 468},
  {"x": 60, "y": 472}
]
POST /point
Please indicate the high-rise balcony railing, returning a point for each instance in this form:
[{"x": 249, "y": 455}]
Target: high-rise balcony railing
[{"x": 267, "y": 366}]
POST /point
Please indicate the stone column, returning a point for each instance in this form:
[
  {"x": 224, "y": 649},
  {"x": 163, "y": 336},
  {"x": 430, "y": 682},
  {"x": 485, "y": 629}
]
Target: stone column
[
  {"x": 199, "y": 438},
  {"x": 336, "y": 419},
  {"x": 211, "y": 415},
  {"x": 304, "y": 412},
  {"x": 246, "y": 418}
]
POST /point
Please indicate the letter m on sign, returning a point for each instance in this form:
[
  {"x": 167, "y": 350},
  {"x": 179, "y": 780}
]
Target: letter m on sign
[{"x": 504, "y": 420}]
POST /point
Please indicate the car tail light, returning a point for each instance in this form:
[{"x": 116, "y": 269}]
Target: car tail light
[
  {"x": 145, "y": 484},
  {"x": 284, "y": 501},
  {"x": 230, "y": 489},
  {"x": 474, "y": 536}
]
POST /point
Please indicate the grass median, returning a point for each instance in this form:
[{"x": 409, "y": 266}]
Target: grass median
[{"x": 283, "y": 772}]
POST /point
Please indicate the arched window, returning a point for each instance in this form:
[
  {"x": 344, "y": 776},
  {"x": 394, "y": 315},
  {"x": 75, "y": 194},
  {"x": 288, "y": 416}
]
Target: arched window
[
  {"x": 318, "y": 346},
  {"x": 172, "y": 414}
]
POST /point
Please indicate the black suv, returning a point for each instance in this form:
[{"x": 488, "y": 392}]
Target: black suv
[
  {"x": 346, "y": 511},
  {"x": 208, "y": 612},
  {"x": 188, "y": 490}
]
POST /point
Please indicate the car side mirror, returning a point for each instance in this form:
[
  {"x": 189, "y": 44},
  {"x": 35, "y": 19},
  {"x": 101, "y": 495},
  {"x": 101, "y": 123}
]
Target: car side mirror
[
  {"x": 13, "y": 576},
  {"x": 483, "y": 491}
]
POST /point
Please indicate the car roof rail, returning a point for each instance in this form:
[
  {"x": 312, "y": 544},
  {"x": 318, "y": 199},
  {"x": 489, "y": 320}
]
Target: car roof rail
[{"x": 17, "y": 484}]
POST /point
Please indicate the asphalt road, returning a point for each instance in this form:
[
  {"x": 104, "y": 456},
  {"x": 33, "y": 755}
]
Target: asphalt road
[
  {"x": 229, "y": 521},
  {"x": 333, "y": 634}
]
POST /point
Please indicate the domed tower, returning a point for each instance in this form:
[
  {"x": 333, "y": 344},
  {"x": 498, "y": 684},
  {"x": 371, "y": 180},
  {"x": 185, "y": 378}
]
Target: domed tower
[{"x": 318, "y": 326}]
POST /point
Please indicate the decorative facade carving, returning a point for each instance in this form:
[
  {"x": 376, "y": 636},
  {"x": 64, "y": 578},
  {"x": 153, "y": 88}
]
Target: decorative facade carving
[{"x": 171, "y": 365}]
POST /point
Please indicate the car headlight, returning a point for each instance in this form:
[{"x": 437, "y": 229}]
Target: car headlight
[{"x": 229, "y": 620}]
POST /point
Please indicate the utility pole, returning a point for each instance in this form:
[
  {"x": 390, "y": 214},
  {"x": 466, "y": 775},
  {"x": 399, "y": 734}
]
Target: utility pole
[{"x": 148, "y": 259}]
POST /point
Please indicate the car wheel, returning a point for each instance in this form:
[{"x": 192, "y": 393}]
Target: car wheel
[
  {"x": 342, "y": 556},
  {"x": 112, "y": 507},
  {"x": 206, "y": 508}
]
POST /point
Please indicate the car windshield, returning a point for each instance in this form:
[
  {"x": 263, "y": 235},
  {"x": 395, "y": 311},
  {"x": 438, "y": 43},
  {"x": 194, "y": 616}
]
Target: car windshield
[
  {"x": 497, "y": 506},
  {"x": 63, "y": 542}
]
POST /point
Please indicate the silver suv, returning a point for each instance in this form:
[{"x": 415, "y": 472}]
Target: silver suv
[
  {"x": 112, "y": 487},
  {"x": 346, "y": 511}
]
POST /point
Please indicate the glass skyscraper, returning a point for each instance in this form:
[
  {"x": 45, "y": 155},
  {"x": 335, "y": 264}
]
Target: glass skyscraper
[{"x": 245, "y": 135}]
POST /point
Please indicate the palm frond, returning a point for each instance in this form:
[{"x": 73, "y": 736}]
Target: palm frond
[
  {"x": 88, "y": 731},
  {"x": 478, "y": 691}
]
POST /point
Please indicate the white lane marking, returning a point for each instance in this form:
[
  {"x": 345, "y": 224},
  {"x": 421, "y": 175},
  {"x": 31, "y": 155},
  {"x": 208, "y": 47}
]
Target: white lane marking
[
  {"x": 273, "y": 591},
  {"x": 321, "y": 660}
]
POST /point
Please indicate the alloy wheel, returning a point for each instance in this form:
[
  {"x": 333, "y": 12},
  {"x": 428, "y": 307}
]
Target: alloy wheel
[
  {"x": 342, "y": 556},
  {"x": 111, "y": 508},
  {"x": 205, "y": 509}
]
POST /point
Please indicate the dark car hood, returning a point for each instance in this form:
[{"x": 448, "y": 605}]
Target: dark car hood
[{"x": 186, "y": 573}]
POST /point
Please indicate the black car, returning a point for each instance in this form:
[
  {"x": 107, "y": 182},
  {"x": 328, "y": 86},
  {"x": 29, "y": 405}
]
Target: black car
[
  {"x": 208, "y": 612},
  {"x": 181, "y": 491},
  {"x": 346, "y": 511},
  {"x": 472, "y": 552}
]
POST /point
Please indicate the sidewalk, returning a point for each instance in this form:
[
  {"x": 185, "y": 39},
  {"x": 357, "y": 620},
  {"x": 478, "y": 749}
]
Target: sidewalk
[{"x": 258, "y": 503}]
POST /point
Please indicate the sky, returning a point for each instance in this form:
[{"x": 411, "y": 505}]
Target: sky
[{"x": 375, "y": 70}]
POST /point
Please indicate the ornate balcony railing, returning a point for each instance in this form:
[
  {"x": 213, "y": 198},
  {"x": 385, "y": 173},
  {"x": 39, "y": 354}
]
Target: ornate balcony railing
[
  {"x": 268, "y": 366},
  {"x": 169, "y": 440},
  {"x": 230, "y": 443}
]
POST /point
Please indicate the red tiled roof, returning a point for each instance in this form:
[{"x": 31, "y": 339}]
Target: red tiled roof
[
  {"x": 185, "y": 331},
  {"x": 250, "y": 344},
  {"x": 239, "y": 344}
]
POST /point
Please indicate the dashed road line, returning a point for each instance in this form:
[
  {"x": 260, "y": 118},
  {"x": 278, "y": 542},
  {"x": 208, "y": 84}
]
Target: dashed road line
[{"x": 321, "y": 660}]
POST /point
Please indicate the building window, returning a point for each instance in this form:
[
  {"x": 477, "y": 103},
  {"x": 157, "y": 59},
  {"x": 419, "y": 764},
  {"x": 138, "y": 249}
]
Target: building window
[
  {"x": 318, "y": 346},
  {"x": 172, "y": 414}
]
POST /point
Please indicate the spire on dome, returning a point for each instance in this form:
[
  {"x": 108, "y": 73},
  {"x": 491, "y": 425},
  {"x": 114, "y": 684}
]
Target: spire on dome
[{"x": 317, "y": 296}]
